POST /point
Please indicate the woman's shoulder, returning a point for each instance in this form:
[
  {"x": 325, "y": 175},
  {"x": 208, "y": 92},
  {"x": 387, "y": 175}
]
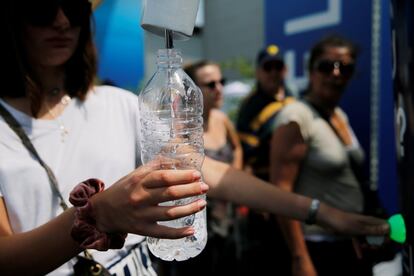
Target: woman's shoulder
[
  {"x": 111, "y": 98},
  {"x": 107, "y": 91},
  {"x": 298, "y": 112},
  {"x": 218, "y": 114},
  {"x": 219, "y": 117},
  {"x": 296, "y": 107}
]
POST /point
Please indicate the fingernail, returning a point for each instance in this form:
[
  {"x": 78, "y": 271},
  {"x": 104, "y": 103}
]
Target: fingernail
[
  {"x": 196, "y": 175},
  {"x": 190, "y": 231},
  {"x": 202, "y": 203},
  {"x": 204, "y": 187}
]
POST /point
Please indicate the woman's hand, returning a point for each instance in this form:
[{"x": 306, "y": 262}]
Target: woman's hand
[
  {"x": 350, "y": 223},
  {"x": 131, "y": 204}
]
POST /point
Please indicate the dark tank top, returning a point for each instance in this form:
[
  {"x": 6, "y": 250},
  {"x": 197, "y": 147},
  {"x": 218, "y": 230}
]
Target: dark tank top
[{"x": 224, "y": 154}]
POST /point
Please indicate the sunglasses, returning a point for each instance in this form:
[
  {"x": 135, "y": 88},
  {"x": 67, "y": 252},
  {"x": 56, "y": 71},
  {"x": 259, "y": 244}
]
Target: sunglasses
[
  {"x": 277, "y": 65},
  {"x": 213, "y": 84},
  {"x": 327, "y": 67},
  {"x": 43, "y": 13}
]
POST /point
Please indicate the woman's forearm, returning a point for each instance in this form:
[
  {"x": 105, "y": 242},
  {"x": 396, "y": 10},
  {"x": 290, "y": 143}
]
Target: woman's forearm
[
  {"x": 241, "y": 188},
  {"x": 41, "y": 250}
]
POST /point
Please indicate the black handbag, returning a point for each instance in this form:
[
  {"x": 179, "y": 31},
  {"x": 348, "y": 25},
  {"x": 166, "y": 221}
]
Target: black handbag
[{"x": 85, "y": 265}]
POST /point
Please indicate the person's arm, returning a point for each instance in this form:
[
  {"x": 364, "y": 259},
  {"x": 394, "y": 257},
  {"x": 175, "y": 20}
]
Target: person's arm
[
  {"x": 39, "y": 251},
  {"x": 239, "y": 187},
  {"x": 288, "y": 150},
  {"x": 235, "y": 141},
  {"x": 5, "y": 228},
  {"x": 128, "y": 206}
]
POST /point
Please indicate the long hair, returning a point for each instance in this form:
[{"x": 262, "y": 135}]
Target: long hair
[{"x": 18, "y": 79}]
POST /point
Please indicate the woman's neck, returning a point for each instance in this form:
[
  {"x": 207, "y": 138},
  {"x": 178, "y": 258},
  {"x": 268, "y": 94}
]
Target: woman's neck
[
  {"x": 51, "y": 85},
  {"x": 50, "y": 79},
  {"x": 327, "y": 108}
]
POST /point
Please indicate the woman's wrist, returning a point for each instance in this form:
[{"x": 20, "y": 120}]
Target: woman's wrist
[
  {"x": 325, "y": 215},
  {"x": 313, "y": 211},
  {"x": 84, "y": 230}
]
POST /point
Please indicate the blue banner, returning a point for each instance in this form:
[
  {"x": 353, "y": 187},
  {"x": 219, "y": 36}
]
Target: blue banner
[{"x": 120, "y": 43}]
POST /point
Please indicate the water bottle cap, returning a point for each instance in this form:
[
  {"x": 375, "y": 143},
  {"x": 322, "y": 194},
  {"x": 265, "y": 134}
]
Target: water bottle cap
[{"x": 397, "y": 228}]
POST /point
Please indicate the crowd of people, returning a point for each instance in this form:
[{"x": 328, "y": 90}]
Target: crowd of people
[{"x": 58, "y": 129}]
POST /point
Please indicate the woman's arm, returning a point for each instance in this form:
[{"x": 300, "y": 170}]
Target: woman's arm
[
  {"x": 38, "y": 251},
  {"x": 235, "y": 141},
  {"x": 288, "y": 150},
  {"x": 128, "y": 206},
  {"x": 5, "y": 228},
  {"x": 233, "y": 185},
  {"x": 239, "y": 187}
]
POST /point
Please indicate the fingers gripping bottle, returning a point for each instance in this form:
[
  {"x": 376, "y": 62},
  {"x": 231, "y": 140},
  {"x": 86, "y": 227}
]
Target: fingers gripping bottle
[{"x": 171, "y": 108}]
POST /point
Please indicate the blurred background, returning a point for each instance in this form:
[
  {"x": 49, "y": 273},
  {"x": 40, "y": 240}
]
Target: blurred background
[{"x": 231, "y": 32}]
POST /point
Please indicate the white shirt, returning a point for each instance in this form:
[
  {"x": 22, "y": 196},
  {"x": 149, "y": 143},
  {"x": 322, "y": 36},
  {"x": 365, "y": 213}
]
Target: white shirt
[{"x": 102, "y": 142}]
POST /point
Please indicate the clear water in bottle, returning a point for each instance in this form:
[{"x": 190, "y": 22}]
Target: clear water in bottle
[{"x": 171, "y": 108}]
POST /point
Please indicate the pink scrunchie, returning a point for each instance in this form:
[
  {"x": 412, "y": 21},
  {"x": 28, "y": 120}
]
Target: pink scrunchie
[{"x": 84, "y": 229}]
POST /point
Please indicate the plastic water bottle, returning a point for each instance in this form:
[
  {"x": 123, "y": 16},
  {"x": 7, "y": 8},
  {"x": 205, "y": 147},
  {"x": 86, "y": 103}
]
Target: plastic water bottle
[{"x": 171, "y": 108}]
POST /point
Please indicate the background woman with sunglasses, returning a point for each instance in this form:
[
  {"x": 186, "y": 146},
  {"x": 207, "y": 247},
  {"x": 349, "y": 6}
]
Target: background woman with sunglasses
[
  {"x": 313, "y": 153},
  {"x": 220, "y": 138},
  {"x": 81, "y": 131},
  {"x": 220, "y": 143}
]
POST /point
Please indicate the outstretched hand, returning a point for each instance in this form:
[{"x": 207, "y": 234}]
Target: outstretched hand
[
  {"x": 131, "y": 204},
  {"x": 352, "y": 224}
]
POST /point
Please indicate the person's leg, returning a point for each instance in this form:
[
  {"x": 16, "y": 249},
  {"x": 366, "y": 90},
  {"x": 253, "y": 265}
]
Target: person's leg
[{"x": 337, "y": 258}]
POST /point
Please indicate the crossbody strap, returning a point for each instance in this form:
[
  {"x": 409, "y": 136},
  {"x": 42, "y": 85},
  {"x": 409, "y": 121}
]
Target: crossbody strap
[
  {"x": 17, "y": 128},
  {"x": 356, "y": 169}
]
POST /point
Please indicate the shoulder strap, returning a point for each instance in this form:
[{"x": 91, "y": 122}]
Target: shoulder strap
[
  {"x": 356, "y": 169},
  {"x": 17, "y": 128}
]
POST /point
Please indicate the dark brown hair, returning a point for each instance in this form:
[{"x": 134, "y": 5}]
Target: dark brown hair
[
  {"x": 191, "y": 69},
  {"x": 330, "y": 41},
  {"x": 18, "y": 77}
]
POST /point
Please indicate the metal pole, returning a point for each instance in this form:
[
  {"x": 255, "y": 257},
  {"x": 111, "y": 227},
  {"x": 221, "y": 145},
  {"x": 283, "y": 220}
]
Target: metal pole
[{"x": 169, "y": 42}]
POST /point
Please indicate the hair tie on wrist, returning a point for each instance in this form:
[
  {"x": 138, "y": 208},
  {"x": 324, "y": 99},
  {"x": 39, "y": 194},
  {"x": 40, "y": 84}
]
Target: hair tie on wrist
[
  {"x": 313, "y": 211},
  {"x": 84, "y": 229}
]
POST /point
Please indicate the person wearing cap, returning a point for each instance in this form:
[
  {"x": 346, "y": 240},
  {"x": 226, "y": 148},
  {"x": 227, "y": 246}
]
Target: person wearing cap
[
  {"x": 256, "y": 115},
  {"x": 258, "y": 110},
  {"x": 57, "y": 129}
]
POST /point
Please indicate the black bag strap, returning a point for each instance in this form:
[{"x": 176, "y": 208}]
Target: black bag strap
[
  {"x": 372, "y": 204},
  {"x": 354, "y": 167},
  {"x": 17, "y": 128}
]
